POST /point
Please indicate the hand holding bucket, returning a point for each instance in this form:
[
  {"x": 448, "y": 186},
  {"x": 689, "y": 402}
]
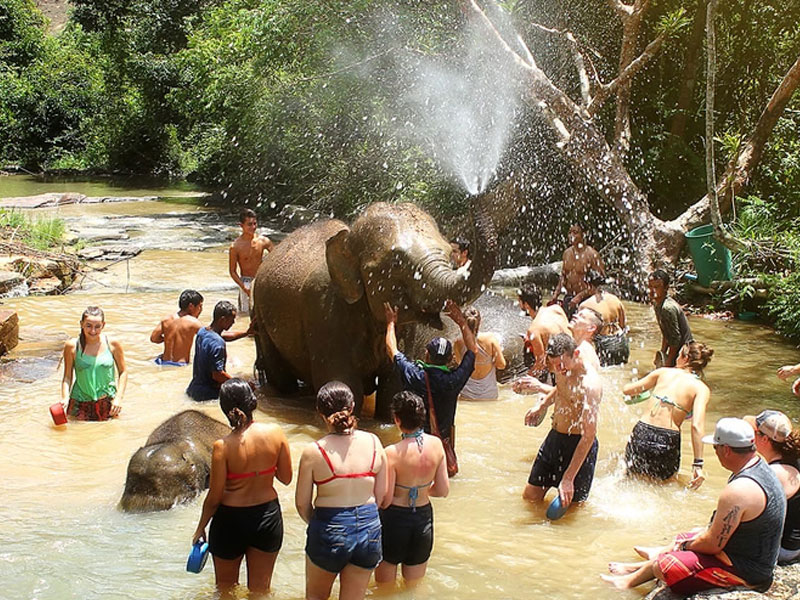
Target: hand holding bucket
[{"x": 58, "y": 414}]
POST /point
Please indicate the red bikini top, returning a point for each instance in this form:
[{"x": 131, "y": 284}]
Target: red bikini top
[
  {"x": 269, "y": 471},
  {"x": 334, "y": 475}
]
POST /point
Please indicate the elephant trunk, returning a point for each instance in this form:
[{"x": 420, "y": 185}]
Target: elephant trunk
[{"x": 443, "y": 282}]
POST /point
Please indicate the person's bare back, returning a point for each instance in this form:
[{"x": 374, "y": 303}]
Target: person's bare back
[
  {"x": 549, "y": 320},
  {"x": 178, "y": 336},
  {"x": 611, "y": 309},
  {"x": 177, "y": 331}
]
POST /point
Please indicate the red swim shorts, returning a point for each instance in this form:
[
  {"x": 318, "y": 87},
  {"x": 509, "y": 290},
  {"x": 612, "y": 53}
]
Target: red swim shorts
[
  {"x": 99, "y": 410},
  {"x": 687, "y": 572}
]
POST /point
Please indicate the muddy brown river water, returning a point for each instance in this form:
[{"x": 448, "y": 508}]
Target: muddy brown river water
[{"x": 61, "y": 535}]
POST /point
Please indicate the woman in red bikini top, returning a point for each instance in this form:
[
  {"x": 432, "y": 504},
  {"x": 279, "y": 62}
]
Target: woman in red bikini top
[
  {"x": 241, "y": 495},
  {"x": 348, "y": 469}
]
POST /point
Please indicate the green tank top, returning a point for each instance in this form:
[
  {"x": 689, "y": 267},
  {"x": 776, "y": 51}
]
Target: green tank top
[{"x": 94, "y": 375}]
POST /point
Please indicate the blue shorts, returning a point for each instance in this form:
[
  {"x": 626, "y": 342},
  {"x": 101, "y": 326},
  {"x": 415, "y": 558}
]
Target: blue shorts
[
  {"x": 337, "y": 537},
  {"x": 168, "y": 363}
]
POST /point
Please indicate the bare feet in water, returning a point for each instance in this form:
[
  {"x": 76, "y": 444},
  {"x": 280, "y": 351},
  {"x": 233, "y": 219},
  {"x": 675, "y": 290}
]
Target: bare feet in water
[
  {"x": 619, "y": 582},
  {"x": 620, "y": 568}
]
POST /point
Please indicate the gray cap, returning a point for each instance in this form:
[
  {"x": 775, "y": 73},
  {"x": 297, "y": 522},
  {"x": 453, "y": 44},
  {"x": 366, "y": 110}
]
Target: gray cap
[{"x": 733, "y": 432}]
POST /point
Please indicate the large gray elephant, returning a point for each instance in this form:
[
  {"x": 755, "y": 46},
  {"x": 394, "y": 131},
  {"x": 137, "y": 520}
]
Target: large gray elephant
[
  {"x": 318, "y": 297},
  {"x": 174, "y": 464},
  {"x": 499, "y": 315}
]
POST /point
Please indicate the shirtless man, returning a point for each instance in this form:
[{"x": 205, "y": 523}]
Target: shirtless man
[
  {"x": 611, "y": 341},
  {"x": 177, "y": 331},
  {"x": 584, "y": 326},
  {"x": 568, "y": 454},
  {"x": 547, "y": 321},
  {"x": 577, "y": 260},
  {"x": 245, "y": 257}
]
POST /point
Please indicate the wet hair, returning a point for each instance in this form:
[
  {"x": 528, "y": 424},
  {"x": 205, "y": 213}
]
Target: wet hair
[
  {"x": 560, "y": 344},
  {"x": 596, "y": 318},
  {"x": 698, "y": 354},
  {"x": 594, "y": 278},
  {"x": 789, "y": 448},
  {"x": 246, "y": 213},
  {"x": 335, "y": 403},
  {"x": 237, "y": 401},
  {"x": 91, "y": 311},
  {"x": 189, "y": 297},
  {"x": 223, "y": 309},
  {"x": 660, "y": 275},
  {"x": 531, "y": 295},
  {"x": 473, "y": 318},
  {"x": 410, "y": 409},
  {"x": 463, "y": 244}
]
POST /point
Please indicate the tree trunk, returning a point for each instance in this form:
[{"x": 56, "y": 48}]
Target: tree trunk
[
  {"x": 738, "y": 173},
  {"x": 689, "y": 78}
]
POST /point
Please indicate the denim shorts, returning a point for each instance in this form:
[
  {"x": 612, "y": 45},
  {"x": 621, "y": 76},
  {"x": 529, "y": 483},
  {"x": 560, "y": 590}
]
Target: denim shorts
[{"x": 337, "y": 537}]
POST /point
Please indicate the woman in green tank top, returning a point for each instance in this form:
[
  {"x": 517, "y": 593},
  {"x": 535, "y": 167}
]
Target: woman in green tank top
[{"x": 94, "y": 395}]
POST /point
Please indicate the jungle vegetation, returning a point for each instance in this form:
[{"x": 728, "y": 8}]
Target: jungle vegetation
[{"x": 274, "y": 102}]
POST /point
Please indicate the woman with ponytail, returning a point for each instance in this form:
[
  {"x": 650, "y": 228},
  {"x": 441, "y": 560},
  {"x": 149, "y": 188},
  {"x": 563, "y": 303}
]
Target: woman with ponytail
[
  {"x": 247, "y": 519},
  {"x": 348, "y": 468},
  {"x": 92, "y": 357},
  {"x": 675, "y": 394},
  {"x": 779, "y": 444}
]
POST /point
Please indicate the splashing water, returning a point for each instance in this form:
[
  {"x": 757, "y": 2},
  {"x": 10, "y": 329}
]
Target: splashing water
[{"x": 463, "y": 109}]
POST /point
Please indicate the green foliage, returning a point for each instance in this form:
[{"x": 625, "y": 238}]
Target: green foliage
[
  {"x": 40, "y": 232},
  {"x": 772, "y": 261},
  {"x": 673, "y": 23}
]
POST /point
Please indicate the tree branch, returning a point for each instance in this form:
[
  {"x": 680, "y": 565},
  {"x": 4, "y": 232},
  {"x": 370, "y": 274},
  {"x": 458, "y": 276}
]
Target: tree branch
[
  {"x": 739, "y": 170},
  {"x": 623, "y": 10},
  {"x": 630, "y": 71},
  {"x": 588, "y": 78}
]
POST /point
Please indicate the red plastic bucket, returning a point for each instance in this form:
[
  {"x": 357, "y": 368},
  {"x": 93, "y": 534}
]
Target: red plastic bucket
[{"x": 57, "y": 412}]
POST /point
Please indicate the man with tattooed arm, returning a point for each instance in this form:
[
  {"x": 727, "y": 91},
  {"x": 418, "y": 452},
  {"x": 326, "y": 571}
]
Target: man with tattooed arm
[{"x": 740, "y": 545}]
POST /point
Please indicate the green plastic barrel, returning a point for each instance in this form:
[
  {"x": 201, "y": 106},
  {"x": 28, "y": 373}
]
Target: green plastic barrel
[{"x": 711, "y": 259}]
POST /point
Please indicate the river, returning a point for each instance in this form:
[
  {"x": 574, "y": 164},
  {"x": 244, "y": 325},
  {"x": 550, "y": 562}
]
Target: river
[{"x": 63, "y": 537}]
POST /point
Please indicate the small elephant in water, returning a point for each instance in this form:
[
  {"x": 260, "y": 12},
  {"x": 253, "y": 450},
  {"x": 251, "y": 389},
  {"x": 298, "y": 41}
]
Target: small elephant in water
[{"x": 174, "y": 464}]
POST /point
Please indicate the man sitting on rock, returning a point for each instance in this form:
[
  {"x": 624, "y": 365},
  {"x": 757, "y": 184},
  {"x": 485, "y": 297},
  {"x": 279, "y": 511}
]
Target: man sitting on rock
[{"x": 740, "y": 546}]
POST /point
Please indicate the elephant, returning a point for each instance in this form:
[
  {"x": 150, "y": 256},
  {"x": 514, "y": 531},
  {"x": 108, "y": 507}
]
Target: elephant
[
  {"x": 174, "y": 464},
  {"x": 499, "y": 315},
  {"x": 318, "y": 297}
]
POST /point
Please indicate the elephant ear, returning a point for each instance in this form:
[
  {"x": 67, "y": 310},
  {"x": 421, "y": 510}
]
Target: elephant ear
[{"x": 343, "y": 267}]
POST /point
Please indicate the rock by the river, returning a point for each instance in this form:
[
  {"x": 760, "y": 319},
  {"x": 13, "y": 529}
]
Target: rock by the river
[
  {"x": 9, "y": 280},
  {"x": 60, "y": 199},
  {"x": 9, "y": 331},
  {"x": 109, "y": 252},
  {"x": 47, "y": 286},
  {"x": 786, "y": 585}
]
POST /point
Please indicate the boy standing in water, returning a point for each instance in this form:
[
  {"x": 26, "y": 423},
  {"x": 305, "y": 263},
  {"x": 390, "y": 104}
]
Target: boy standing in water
[
  {"x": 568, "y": 454},
  {"x": 577, "y": 260},
  {"x": 245, "y": 257},
  {"x": 177, "y": 331}
]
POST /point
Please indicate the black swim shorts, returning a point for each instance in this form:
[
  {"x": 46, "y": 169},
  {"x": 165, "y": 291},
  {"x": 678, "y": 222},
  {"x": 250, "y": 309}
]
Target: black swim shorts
[
  {"x": 612, "y": 349},
  {"x": 653, "y": 451},
  {"x": 234, "y": 529},
  {"x": 407, "y": 534},
  {"x": 553, "y": 459}
]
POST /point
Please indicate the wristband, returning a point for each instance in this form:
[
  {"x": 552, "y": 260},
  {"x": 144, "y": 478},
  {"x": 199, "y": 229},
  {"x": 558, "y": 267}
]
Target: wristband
[
  {"x": 697, "y": 462},
  {"x": 683, "y": 545}
]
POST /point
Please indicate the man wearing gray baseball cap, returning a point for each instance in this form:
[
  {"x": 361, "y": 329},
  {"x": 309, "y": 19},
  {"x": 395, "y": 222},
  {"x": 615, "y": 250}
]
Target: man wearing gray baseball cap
[{"x": 740, "y": 545}]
